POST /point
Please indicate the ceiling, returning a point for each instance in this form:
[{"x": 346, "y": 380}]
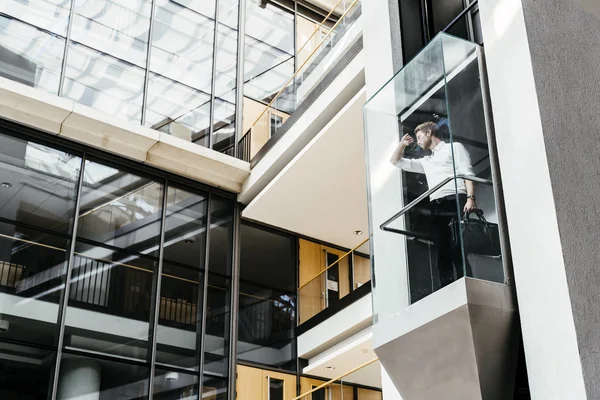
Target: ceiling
[
  {"x": 322, "y": 192},
  {"x": 346, "y": 356}
]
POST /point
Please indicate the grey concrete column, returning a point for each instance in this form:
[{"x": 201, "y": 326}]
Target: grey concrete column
[
  {"x": 79, "y": 379},
  {"x": 542, "y": 59}
]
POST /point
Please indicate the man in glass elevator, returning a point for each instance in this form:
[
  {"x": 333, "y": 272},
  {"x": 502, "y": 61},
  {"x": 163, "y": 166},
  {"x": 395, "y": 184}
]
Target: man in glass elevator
[{"x": 438, "y": 166}]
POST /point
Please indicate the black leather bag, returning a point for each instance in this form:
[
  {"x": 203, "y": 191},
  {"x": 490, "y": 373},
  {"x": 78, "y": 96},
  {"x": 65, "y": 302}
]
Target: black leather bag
[{"x": 478, "y": 235}]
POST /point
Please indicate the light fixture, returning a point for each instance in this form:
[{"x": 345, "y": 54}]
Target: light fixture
[
  {"x": 189, "y": 241},
  {"x": 365, "y": 351},
  {"x": 329, "y": 368},
  {"x": 6, "y": 184},
  {"x": 358, "y": 233},
  {"x": 172, "y": 377}
]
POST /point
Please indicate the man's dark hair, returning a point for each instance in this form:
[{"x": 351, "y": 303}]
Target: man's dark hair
[{"x": 428, "y": 127}]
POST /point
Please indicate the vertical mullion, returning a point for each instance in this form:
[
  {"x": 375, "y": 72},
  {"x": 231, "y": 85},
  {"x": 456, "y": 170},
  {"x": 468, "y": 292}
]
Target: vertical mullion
[
  {"x": 204, "y": 293},
  {"x": 235, "y": 288},
  {"x": 64, "y": 301},
  {"x": 148, "y": 54},
  {"x": 213, "y": 79},
  {"x": 239, "y": 97},
  {"x": 156, "y": 284},
  {"x": 61, "y": 82}
]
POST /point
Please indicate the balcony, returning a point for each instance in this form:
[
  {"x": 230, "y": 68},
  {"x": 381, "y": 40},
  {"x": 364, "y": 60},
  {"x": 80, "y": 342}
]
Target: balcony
[{"x": 321, "y": 57}]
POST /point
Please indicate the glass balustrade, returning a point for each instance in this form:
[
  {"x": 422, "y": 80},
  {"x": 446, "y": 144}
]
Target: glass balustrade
[
  {"x": 263, "y": 121},
  {"x": 432, "y": 181},
  {"x": 328, "y": 275}
]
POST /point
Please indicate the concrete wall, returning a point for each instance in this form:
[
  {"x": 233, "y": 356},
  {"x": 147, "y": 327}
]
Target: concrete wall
[
  {"x": 542, "y": 60},
  {"x": 565, "y": 55}
]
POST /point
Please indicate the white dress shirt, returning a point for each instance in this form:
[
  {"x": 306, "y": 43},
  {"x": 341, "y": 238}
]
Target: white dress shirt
[{"x": 438, "y": 166}]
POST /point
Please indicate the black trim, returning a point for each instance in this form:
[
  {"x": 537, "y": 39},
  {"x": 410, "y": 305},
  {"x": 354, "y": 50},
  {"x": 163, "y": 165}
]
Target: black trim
[
  {"x": 338, "y": 306},
  {"x": 266, "y": 367}
]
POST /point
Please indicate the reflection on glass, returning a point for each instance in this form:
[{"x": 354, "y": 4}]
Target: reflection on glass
[
  {"x": 276, "y": 387},
  {"x": 214, "y": 388},
  {"x": 115, "y": 259},
  {"x": 84, "y": 377},
  {"x": 180, "y": 316},
  {"x": 170, "y": 101},
  {"x": 25, "y": 372},
  {"x": 116, "y": 28},
  {"x": 225, "y": 82},
  {"x": 104, "y": 83},
  {"x": 37, "y": 201},
  {"x": 216, "y": 351},
  {"x": 181, "y": 62},
  {"x": 29, "y": 55},
  {"x": 221, "y": 235},
  {"x": 171, "y": 385},
  {"x": 50, "y": 15}
]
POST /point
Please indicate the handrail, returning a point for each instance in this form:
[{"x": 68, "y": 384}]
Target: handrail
[
  {"x": 149, "y": 271},
  {"x": 333, "y": 263},
  {"x": 320, "y": 26},
  {"x": 337, "y": 378},
  {"x": 459, "y": 16},
  {"x": 304, "y": 63},
  {"x": 416, "y": 201}
]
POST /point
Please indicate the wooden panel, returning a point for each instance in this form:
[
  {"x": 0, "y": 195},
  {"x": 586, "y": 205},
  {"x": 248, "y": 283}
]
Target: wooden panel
[
  {"x": 289, "y": 384},
  {"x": 362, "y": 270},
  {"x": 311, "y": 263},
  {"x": 249, "y": 383},
  {"x": 336, "y": 392},
  {"x": 366, "y": 394},
  {"x": 307, "y": 384}
]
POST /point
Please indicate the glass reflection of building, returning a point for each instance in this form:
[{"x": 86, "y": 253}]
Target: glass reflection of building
[
  {"x": 169, "y": 65},
  {"x": 105, "y": 268}
]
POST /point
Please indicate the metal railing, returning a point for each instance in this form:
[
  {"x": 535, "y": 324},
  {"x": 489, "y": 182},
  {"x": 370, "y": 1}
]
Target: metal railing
[
  {"x": 315, "y": 289},
  {"x": 292, "y": 82},
  {"x": 334, "y": 381}
]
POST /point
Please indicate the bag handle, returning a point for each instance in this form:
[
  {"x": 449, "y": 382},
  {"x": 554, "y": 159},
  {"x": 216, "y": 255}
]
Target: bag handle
[{"x": 477, "y": 212}]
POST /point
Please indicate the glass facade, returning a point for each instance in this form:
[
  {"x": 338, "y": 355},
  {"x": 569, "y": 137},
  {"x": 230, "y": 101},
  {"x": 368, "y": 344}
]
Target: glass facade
[
  {"x": 171, "y": 66},
  {"x": 267, "y": 303},
  {"x": 121, "y": 274}
]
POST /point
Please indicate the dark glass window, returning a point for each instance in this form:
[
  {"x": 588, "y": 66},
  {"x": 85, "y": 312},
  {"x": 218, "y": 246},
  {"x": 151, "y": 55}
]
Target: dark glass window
[
  {"x": 116, "y": 256},
  {"x": 25, "y": 372},
  {"x": 81, "y": 377},
  {"x": 267, "y": 302},
  {"x": 38, "y": 186}
]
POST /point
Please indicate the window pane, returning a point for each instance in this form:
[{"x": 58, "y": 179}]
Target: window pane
[
  {"x": 225, "y": 79},
  {"x": 221, "y": 235},
  {"x": 216, "y": 351},
  {"x": 170, "y": 101},
  {"x": 267, "y": 302},
  {"x": 115, "y": 258},
  {"x": 30, "y": 56},
  {"x": 37, "y": 199},
  {"x": 25, "y": 372},
  {"x": 181, "y": 62},
  {"x": 214, "y": 388},
  {"x": 105, "y": 83},
  {"x": 275, "y": 389},
  {"x": 91, "y": 378},
  {"x": 180, "y": 318},
  {"x": 117, "y": 28},
  {"x": 171, "y": 385},
  {"x": 51, "y": 15}
]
